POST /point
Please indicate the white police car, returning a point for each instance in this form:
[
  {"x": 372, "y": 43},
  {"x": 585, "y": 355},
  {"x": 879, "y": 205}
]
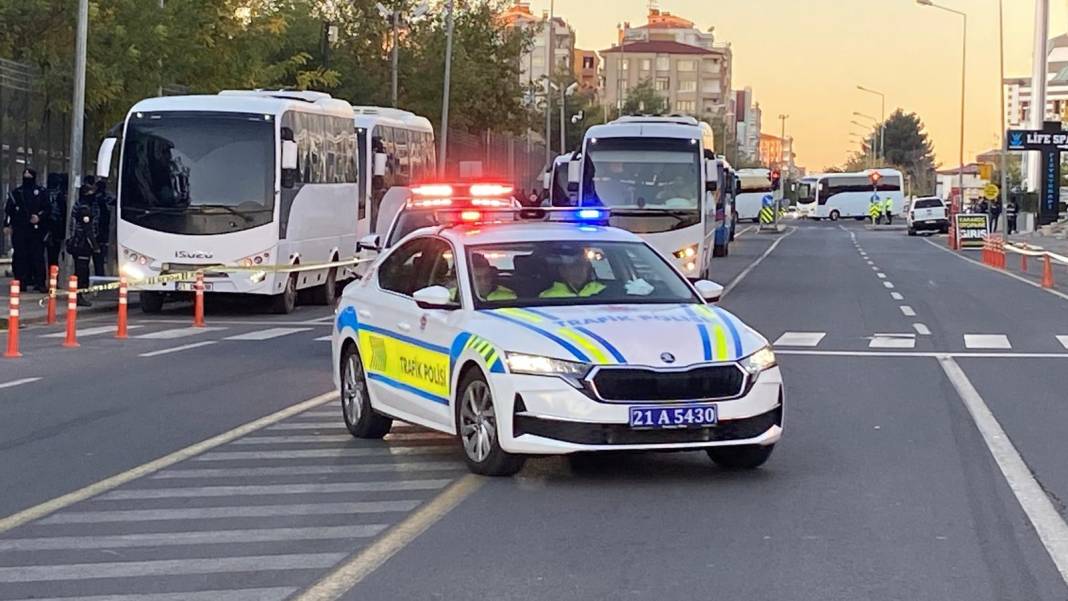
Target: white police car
[{"x": 548, "y": 337}]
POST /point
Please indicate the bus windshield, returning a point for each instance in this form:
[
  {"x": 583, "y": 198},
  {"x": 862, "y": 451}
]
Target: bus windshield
[
  {"x": 651, "y": 185},
  {"x": 198, "y": 173},
  {"x": 806, "y": 193}
]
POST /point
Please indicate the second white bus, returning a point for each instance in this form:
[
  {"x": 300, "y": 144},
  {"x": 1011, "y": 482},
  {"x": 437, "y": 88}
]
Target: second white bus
[{"x": 849, "y": 195}]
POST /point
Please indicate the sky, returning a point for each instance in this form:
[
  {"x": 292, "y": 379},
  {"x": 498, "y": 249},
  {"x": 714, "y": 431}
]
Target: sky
[{"x": 805, "y": 58}]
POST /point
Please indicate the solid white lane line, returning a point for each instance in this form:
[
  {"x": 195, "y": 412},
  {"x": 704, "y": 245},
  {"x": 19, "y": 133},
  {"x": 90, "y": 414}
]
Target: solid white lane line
[
  {"x": 15, "y": 383},
  {"x": 267, "y": 334},
  {"x": 896, "y": 296},
  {"x": 921, "y": 329},
  {"x": 908, "y": 311},
  {"x": 175, "y": 333},
  {"x": 273, "y": 489},
  {"x": 178, "y": 349},
  {"x": 1063, "y": 340},
  {"x": 888, "y": 284},
  {"x": 43, "y": 509},
  {"x": 243, "y": 594},
  {"x": 800, "y": 339},
  {"x": 902, "y": 342},
  {"x": 1050, "y": 526},
  {"x": 215, "y": 513},
  {"x": 316, "y": 425},
  {"x": 1001, "y": 271},
  {"x": 987, "y": 341},
  {"x": 92, "y": 331},
  {"x": 240, "y": 322},
  {"x": 929, "y": 354},
  {"x": 207, "y": 537},
  {"x": 169, "y": 567},
  {"x": 745, "y": 272},
  {"x": 335, "y": 453},
  {"x": 302, "y": 470}
]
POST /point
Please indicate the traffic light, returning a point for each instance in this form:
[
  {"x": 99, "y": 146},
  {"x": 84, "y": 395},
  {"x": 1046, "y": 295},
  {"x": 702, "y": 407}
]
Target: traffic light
[
  {"x": 875, "y": 176},
  {"x": 776, "y": 179}
]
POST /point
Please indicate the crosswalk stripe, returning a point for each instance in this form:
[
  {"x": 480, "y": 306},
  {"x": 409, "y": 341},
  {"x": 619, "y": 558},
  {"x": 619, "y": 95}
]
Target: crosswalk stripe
[
  {"x": 177, "y": 349},
  {"x": 324, "y": 339},
  {"x": 250, "y": 511},
  {"x": 809, "y": 339},
  {"x": 273, "y": 489},
  {"x": 1063, "y": 340},
  {"x": 91, "y": 331},
  {"x": 175, "y": 333},
  {"x": 309, "y": 470},
  {"x": 318, "y": 425},
  {"x": 901, "y": 341},
  {"x": 267, "y": 334},
  {"x": 242, "y": 594},
  {"x": 326, "y": 453},
  {"x": 987, "y": 341},
  {"x": 209, "y": 537},
  {"x": 345, "y": 437},
  {"x": 168, "y": 567}
]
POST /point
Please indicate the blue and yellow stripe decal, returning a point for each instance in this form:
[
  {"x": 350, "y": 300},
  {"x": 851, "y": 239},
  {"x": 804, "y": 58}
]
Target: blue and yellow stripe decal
[
  {"x": 582, "y": 343},
  {"x": 720, "y": 339}
]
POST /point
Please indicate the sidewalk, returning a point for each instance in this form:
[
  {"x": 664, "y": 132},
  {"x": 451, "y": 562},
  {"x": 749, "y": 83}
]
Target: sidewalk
[{"x": 1014, "y": 265}]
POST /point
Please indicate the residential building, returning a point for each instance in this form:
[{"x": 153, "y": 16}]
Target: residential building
[
  {"x": 947, "y": 184},
  {"x": 1018, "y": 89},
  {"x": 532, "y": 65},
  {"x": 683, "y": 63},
  {"x": 747, "y": 116},
  {"x": 587, "y": 70},
  {"x": 771, "y": 150}
]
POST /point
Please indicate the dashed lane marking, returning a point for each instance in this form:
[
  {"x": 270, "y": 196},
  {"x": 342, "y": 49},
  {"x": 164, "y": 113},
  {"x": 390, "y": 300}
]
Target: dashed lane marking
[
  {"x": 907, "y": 311},
  {"x": 888, "y": 284},
  {"x": 809, "y": 339},
  {"x": 987, "y": 341},
  {"x": 176, "y": 333},
  {"x": 921, "y": 329},
  {"x": 1048, "y": 523},
  {"x": 267, "y": 334},
  {"x": 15, "y": 383},
  {"x": 896, "y": 296},
  {"x": 928, "y": 354},
  {"x": 881, "y": 275},
  {"x": 178, "y": 349}
]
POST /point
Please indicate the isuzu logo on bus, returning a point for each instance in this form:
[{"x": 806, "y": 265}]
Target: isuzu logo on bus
[{"x": 193, "y": 254}]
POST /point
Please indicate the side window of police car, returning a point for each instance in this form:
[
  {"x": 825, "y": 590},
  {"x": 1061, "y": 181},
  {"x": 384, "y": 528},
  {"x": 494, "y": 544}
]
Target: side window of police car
[{"x": 417, "y": 264}]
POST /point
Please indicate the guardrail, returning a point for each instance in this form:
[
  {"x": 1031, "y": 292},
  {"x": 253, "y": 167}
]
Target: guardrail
[{"x": 996, "y": 250}]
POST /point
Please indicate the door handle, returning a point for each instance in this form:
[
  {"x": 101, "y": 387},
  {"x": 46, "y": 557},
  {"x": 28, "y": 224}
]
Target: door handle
[{"x": 404, "y": 327}]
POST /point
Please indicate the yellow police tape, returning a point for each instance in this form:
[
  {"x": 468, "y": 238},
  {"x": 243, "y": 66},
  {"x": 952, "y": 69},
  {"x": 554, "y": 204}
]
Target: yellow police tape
[{"x": 189, "y": 275}]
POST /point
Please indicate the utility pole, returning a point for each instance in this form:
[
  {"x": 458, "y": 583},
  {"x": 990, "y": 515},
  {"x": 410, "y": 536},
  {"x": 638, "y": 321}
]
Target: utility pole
[
  {"x": 1038, "y": 84},
  {"x": 394, "y": 58},
  {"x": 77, "y": 112},
  {"x": 159, "y": 90},
  {"x": 563, "y": 116},
  {"x": 445, "y": 92},
  {"x": 548, "y": 92},
  {"x": 1001, "y": 123},
  {"x": 782, "y": 138}
]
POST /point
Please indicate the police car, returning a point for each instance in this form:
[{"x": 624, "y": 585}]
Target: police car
[{"x": 544, "y": 332}]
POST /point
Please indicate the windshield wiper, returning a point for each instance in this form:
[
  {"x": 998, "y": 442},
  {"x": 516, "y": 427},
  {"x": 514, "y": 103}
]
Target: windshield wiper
[
  {"x": 230, "y": 209},
  {"x": 635, "y": 212},
  {"x": 153, "y": 210}
]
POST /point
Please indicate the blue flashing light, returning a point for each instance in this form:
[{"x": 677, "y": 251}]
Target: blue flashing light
[
  {"x": 590, "y": 214},
  {"x": 587, "y": 228}
]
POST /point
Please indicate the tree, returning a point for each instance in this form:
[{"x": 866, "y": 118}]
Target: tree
[
  {"x": 643, "y": 98},
  {"x": 905, "y": 146}
]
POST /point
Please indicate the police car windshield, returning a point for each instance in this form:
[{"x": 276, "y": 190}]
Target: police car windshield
[{"x": 572, "y": 273}]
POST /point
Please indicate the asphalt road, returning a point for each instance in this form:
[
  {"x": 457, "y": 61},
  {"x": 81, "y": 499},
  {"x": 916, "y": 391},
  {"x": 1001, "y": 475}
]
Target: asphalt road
[{"x": 884, "y": 486}]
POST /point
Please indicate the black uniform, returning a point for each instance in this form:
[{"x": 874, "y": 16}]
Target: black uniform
[
  {"x": 104, "y": 202},
  {"x": 28, "y": 213},
  {"x": 84, "y": 233},
  {"x": 57, "y": 230},
  {"x": 1010, "y": 216}
]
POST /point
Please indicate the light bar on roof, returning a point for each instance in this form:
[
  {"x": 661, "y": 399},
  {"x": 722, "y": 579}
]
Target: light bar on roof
[
  {"x": 490, "y": 190},
  {"x": 436, "y": 190}
]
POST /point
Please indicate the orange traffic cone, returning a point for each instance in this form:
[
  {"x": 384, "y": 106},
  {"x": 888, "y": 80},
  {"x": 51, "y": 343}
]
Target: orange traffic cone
[
  {"x": 72, "y": 313},
  {"x": 120, "y": 332},
  {"x": 13, "y": 323},
  {"x": 198, "y": 302},
  {"x": 1023, "y": 263},
  {"x": 53, "y": 283},
  {"x": 1047, "y": 273}
]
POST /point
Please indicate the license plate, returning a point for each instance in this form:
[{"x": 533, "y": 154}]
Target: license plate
[
  {"x": 192, "y": 286},
  {"x": 689, "y": 416}
]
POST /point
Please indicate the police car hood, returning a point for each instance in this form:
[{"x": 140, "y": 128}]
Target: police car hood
[{"x": 656, "y": 335}]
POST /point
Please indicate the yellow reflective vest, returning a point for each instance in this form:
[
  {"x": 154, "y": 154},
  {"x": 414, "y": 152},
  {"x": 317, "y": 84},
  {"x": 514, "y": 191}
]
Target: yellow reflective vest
[
  {"x": 499, "y": 293},
  {"x": 562, "y": 290}
]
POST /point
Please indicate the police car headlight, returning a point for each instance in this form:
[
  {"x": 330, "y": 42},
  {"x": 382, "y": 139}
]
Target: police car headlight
[
  {"x": 536, "y": 365},
  {"x": 759, "y": 361}
]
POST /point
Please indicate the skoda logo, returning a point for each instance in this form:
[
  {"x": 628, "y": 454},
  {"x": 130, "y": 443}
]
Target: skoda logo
[{"x": 667, "y": 357}]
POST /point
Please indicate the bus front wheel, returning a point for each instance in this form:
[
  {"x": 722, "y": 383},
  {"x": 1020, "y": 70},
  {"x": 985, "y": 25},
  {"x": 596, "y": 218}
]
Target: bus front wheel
[
  {"x": 835, "y": 215},
  {"x": 286, "y": 302}
]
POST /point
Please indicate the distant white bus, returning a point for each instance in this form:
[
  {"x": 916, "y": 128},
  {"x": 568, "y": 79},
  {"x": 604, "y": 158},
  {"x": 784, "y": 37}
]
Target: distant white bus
[
  {"x": 806, "y": 196},
  {"x": 240, "y": 178},
  {"x": 849, "y": 195},
  {"x": 755, "y": 185}
]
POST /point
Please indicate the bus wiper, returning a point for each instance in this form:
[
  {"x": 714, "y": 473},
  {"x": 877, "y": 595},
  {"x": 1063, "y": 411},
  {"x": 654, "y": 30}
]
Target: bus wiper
[
  {"x": 635, "y": 212},
  {"x": 154, "y": 210},
  {"x": 231, "y": 210}
]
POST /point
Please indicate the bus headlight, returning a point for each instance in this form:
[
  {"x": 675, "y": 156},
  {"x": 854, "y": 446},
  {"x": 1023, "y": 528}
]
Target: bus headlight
[
  {"x": 686, "y": 252},
  {"x": 762, "y": 360}
]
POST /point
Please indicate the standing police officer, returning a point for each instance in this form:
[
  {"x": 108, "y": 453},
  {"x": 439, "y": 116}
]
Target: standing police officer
[
  {"x": 27, "y": 214},
  {"x": 888, "y": 209}
]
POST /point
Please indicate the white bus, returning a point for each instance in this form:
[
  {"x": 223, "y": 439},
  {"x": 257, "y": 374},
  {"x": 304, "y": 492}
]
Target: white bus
[
  {"x": 845, "y": 195},
  {"x": 662, "y": 180},
  {"x": 806, "y": 196},
  {"x": 241, "y": 178},
  {"x": 755, "y": 185}
]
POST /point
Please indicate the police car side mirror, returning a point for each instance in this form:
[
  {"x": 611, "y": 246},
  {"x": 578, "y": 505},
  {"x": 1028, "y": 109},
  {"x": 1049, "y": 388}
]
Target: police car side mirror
[
  {"x": 369, "y": 242},
  {"x": 103, "y": 157},
  {"x": 709, "y": 290},
  {"x": 435, "y": 297}
]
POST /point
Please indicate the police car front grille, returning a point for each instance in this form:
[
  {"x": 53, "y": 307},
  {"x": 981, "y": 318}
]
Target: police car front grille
[
  {"x": 639, "y": 384},
  {"x": 622, "y": 434}
]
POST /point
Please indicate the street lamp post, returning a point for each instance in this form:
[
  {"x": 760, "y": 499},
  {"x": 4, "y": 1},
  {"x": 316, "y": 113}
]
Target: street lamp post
[
  {"x": 882, "y": 121},
  {"x": 77, "y": 113},
  {"x": 874, "y": 127},
  {"x": 782, "y": 139},
  {"x": 444, "y": 145},
  {"x": 963, "y": 75},
  {"x": 548, "y": 76},
  {"x": 1001, "y": 121}
]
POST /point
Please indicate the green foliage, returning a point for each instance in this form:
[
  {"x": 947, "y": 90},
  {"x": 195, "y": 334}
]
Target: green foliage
[
  {"x": 905, "y": 146},
  {"x": 643, "y": 98}
]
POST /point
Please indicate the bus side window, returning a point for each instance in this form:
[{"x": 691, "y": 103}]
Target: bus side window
[
  {"x": 403, "y": 175},
  {"x": 431, "y": 154}
]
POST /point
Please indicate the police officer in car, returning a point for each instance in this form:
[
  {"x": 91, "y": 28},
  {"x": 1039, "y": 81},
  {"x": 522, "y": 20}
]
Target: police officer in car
[
  {"x": 575, "y": 277},
  {"x": 485, "y": 278}
]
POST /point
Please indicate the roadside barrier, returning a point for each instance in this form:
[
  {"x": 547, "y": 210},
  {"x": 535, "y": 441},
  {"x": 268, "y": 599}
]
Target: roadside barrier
[
  {"x": 72, "y": 313},
  {"x": 120, "y": 331},
  {"x": 53, "y": 283},
  {"x": 12, "y": 351},
  {"x": 1000, "y": 249}
]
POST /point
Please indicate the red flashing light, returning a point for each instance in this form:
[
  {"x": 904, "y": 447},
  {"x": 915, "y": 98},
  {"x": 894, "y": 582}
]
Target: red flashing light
[
  {"x": 470, "y": 216},
  {"x": 483, "y": 190},
  {"x": 875, "y": 176},
  {"x": 436, "y": 190},
  {"x": 430, "y": 203},
  {"x": 490, "y": 202}
]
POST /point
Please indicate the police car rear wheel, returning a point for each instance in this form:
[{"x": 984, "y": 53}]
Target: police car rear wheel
[
  {"x": 745, "y": 457},
  {"x": 360, "y": 419},
  {"x": 476, "y": 423}
]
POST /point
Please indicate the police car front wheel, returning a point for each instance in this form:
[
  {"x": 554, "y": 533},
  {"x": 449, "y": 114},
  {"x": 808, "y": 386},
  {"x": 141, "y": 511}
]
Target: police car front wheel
[
  {"x": 360, "y": 418},
  {"x": 745, "y": 457},
  {"x": 476, "y": 425}
]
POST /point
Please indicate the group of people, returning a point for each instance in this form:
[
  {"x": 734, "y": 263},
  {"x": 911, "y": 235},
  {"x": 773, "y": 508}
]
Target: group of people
[
  {"x": 882, "y": 208},
  {"x": 36, "y": 220},
  {"x": 994, "y": 210}
]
